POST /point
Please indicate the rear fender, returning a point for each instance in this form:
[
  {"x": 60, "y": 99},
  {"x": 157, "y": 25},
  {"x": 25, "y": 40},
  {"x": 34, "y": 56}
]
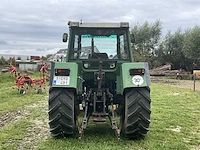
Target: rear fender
[
  {"x": 126, "y": 80},
  {"x": 68, "y": 81}
]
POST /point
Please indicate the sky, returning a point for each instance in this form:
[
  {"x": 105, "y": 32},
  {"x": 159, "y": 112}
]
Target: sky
[{"x": 35, "y": 27}]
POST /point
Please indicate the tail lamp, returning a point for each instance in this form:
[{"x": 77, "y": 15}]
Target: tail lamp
[
  {"x": 138, "y": 71},
  {"x": 62, "y": 72}
]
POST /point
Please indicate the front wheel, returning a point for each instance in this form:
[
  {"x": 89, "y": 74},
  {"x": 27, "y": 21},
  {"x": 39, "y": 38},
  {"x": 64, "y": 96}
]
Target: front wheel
[
  {"x": 62, "y": 118},
  {"x": 135, "y": 117}
]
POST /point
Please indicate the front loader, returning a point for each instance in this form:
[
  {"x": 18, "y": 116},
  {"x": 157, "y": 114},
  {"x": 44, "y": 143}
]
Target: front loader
[{"x": 100, "y": 78}]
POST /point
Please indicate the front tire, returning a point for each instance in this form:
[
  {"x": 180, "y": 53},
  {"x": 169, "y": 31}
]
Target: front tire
[
  {"x": 62, "y": 120},
  {"x": 136, "y": 114}
]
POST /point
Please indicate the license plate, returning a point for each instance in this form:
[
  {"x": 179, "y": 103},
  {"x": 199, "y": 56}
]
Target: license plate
[{"x": 61, "y": 80}]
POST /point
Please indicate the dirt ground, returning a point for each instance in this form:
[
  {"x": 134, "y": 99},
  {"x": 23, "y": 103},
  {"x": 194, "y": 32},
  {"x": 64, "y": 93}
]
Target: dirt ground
[
  {"x": 38, "y": 131},
  {"x": 187, "y": 84}
]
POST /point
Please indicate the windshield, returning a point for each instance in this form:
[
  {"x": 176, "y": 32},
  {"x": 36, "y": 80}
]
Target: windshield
[{"x": 104, "y": 44}]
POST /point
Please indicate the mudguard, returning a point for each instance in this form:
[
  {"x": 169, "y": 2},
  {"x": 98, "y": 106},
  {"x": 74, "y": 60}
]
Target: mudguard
[
  {"x": 128, "y": 80},
  {"x": 68, "y": 80}
]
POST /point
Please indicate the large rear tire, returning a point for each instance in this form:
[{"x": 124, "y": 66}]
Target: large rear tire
[
  {"x": 135, "y": 118},
  {"x": 62, "y": 120}
]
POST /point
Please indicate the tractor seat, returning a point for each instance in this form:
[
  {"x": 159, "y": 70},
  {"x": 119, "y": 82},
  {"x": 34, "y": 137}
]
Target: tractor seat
[{"x": 99, "y": 55}]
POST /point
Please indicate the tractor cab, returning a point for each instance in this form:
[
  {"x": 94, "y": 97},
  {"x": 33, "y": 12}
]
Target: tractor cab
[{"x": 90, "y": 43}]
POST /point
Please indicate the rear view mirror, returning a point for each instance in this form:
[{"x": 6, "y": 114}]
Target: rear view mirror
[{"x": 65, "y": 36}]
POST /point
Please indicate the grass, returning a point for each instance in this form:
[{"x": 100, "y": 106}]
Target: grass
[
  {"x": 175, "y": 124},
  {"x": 11, "y": 135},
  {"x": 10, "y": 99}
]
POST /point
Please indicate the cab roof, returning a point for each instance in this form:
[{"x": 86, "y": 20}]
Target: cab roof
[{"x": 98, "y": 25}]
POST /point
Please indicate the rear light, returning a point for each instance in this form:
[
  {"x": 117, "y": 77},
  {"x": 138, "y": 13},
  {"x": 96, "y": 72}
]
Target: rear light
[
  {"x": 136, "y": 71},
  {"x": 62, "y": 72}
]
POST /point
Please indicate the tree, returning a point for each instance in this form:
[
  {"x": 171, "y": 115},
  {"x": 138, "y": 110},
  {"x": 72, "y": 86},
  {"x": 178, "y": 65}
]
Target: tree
[
  {"x": 191, "y": 46},
  {"x": 147, "y": 37},
  {"x": 18, "y": 58},
  {"x": 3, "y": 61},
  {"x": 44, "y": 58},
  {"x": 48, "y": 56},
  {"x": 182, "y": 49},
  {"x": 171, "y": 50}
]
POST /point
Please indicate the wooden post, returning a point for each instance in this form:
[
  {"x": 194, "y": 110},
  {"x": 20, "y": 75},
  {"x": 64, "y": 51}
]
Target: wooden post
[{"x": 194, "y": 77}]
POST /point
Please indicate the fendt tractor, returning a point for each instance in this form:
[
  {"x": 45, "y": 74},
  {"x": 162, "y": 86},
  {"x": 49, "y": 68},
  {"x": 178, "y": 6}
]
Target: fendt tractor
[{"x": 99, "y": 78}]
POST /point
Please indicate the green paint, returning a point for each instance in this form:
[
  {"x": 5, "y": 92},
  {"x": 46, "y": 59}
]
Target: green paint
[
  {"x": 73, "y": 73},
  {"x": 125, "y": 79}
]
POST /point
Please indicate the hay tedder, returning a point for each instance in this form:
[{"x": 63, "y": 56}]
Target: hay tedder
[
  {"x": 25, "y": 82},
  {"x": 101, "y": 78}
]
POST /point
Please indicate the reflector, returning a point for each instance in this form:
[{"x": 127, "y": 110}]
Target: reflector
[
  {"x": 62, "y": 72},
  {"x": 137, "y": 71}
]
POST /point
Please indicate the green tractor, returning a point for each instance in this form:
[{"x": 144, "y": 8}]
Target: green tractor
[{"x": 99, "y": 78}]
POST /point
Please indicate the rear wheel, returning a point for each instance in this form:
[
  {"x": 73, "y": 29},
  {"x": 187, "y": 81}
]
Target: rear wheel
[
  {"x": 135, "y": 118},
  {"x": 61, "y": 112}
]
